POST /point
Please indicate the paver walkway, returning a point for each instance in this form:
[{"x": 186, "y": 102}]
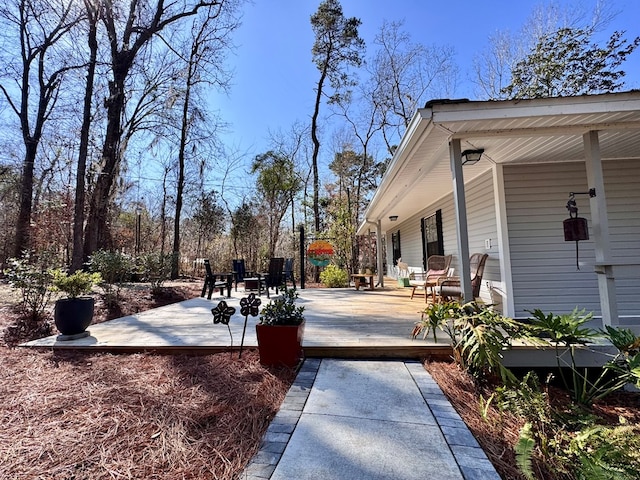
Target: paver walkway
[{"x": 363, "y": 420}]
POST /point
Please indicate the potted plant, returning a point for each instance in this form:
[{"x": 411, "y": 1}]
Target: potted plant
[
  {"x": 73, "y": 313},
  {"x": 280, "y": 331}
]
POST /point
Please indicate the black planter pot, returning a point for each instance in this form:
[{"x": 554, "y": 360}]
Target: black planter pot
[{"x": 73, "y": 315}]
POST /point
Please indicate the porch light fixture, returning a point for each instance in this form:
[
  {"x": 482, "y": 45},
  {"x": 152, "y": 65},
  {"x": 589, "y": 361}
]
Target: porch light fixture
[
  {"x": 393, "y": 218},
  {"x": 469, "y": 157}
]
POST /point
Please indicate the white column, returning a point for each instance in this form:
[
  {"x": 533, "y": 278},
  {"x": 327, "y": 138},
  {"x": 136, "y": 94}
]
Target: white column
[
  {"x": 379, "y": 253},
  {"x": 600, "y": 229},
  {"x": 461, "y": 218},
  {"x": 500, "y": 201}
]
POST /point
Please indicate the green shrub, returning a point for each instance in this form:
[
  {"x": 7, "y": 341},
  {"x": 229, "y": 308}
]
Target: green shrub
[
  {"x": 334, "y": 277},
  {"x": 435, "y": 317},
  {"x": 33, "y": 281},
  {"x": 479, "y": 334},
  {"x": 607, "y": 452},
  {"x": 75, "y": 284},
  {"x": 282, "y": 310},
  {"x": 156, "y": 268},
  {"x": 567, "y": 331},
  {"x": 113, "y": 266}
]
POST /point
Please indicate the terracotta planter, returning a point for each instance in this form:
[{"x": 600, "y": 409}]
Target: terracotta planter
[
  {"x": 73, "y": 315},
  {"x": 280, "y": 345}
]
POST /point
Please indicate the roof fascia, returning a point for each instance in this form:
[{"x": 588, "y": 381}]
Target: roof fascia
[{"x": 541, "y": 107}]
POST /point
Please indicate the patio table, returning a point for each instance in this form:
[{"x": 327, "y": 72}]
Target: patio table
[{"x": 363, "y": 279}]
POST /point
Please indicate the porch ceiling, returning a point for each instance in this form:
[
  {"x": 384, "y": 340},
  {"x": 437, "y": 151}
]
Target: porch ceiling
[{"x": 526, "y": 132}]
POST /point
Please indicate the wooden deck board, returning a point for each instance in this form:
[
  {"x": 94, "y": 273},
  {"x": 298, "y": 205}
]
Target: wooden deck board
[
  {"x": 343, "y": 322},
  {"x": 340, "y": 323}
]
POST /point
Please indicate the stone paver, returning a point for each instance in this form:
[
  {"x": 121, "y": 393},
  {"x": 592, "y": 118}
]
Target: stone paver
[{"x": 360, "y": 420}]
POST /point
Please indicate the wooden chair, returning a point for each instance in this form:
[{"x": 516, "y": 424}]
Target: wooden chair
[
  {"x": 288, "y": 272},
  {"x": 450, "y": 287},
  {"x": 437, "y": 267},
  {"x": 274, "y": 278},
  {"x": 216, "y": 280},
  {"x": 240, "y": 272}
]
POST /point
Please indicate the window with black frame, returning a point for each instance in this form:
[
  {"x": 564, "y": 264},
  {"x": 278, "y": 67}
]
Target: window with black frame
[
  {"x": 432, "y": 237},
  {"x": 395, "y": 245}
]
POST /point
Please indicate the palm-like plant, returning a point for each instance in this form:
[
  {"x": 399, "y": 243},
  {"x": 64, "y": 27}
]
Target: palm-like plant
[{"x": 566, "y": 332}]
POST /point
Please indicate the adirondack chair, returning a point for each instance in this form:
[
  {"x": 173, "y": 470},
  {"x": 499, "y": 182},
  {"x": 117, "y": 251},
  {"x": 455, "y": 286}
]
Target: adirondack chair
[
  {"x": 240, "y": 272},
  {"x": 274, "y": 278},
  {"x": 288, "y": 272},
  {"x": 216, "y": 280}
]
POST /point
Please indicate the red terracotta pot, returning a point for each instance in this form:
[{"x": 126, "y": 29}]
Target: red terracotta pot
[{"x": 280, "y": 345}]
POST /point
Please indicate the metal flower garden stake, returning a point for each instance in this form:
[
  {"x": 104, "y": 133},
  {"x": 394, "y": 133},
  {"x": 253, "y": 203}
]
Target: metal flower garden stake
[
  {"x": 248, "y": 306},
  {"x": 222, "y": 314}
]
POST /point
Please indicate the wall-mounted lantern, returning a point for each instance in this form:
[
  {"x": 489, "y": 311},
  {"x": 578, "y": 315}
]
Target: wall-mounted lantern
[
  {"x": 575, "y": 227},
  {"x": 470, "y": 157}
]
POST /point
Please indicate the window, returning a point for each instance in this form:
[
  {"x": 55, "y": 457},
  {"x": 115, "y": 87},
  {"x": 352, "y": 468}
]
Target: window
[
  {"x": 432, "y": 241},
  {"x": 395, "y": 245}
]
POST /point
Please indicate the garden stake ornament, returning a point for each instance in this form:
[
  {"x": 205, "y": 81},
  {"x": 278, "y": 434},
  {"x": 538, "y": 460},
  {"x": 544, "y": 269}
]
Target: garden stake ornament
[
  {"x": 222, "y": 314},
  {"x": 248, "y": 306}
]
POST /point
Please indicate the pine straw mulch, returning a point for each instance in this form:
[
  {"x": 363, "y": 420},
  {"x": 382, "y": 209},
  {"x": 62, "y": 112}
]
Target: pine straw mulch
[
  {"x": 497, "y": 432},
  {"x": 101, "y": 416}
]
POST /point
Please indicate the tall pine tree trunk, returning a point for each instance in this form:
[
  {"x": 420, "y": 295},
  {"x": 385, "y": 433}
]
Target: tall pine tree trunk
[{"x": 78, "y": 257}]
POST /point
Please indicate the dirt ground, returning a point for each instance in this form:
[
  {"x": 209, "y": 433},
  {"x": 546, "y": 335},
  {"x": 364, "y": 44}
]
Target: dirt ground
[{"x": 99, "y": 416}]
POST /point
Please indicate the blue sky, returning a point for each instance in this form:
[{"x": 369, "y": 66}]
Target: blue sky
[{"x": 274, "y": 76}]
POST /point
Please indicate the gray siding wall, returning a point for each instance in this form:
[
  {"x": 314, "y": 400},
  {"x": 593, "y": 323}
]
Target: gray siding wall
[
  {"x": 622, "y": 183},
  {"x": 543, "y": 264}
]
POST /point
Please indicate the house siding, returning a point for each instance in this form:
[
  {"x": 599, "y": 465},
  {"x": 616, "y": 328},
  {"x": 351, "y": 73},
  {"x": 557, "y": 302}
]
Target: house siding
[
  {"x": 622, "y": 182},
  {"x": 544, "y": 272}
]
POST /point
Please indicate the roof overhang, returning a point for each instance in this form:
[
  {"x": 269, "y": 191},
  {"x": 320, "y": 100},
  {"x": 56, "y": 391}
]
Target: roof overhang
[{"x": 511, "y": 131}]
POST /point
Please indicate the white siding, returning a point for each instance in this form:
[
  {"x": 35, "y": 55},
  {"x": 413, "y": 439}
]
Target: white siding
[
  {"x": 622, "y": 183},
  {"x": 543, "y": 264}
]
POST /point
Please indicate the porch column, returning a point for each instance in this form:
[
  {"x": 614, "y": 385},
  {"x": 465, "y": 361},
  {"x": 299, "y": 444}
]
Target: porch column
[
  {"x": 459, "y": 201},
  {"x": 600, "y": 228},
  {"x": 379, "y": 252}
]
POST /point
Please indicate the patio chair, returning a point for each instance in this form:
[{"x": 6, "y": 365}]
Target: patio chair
[
  {"x": 288, "y": 272},
  {"x": 437, "y": 267},
  {"x": 240, "y": 272},
  {"x": 449, "y": 288},
  {"x": 215, "y": 280},
  {"x": 274, "y": 278}
]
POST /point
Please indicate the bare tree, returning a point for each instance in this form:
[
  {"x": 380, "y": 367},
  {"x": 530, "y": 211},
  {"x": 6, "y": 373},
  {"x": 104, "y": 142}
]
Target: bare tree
[
  {"x": 129, "y": 33},
  {"x": 93, "y": 13},
  {"x": 493, "y": 66},
  {"x": 205, "y": 36},
  {"x": 38, "y": 69},
  {"x": 406, "y": 75}
]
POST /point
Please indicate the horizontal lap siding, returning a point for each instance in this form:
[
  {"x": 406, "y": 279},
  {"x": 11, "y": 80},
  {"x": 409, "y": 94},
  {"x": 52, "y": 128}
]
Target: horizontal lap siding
[
  {"x": 482, "y": 224},
  {"x": 543, "y": 265},
  {"x": 622, "y": 181}
]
